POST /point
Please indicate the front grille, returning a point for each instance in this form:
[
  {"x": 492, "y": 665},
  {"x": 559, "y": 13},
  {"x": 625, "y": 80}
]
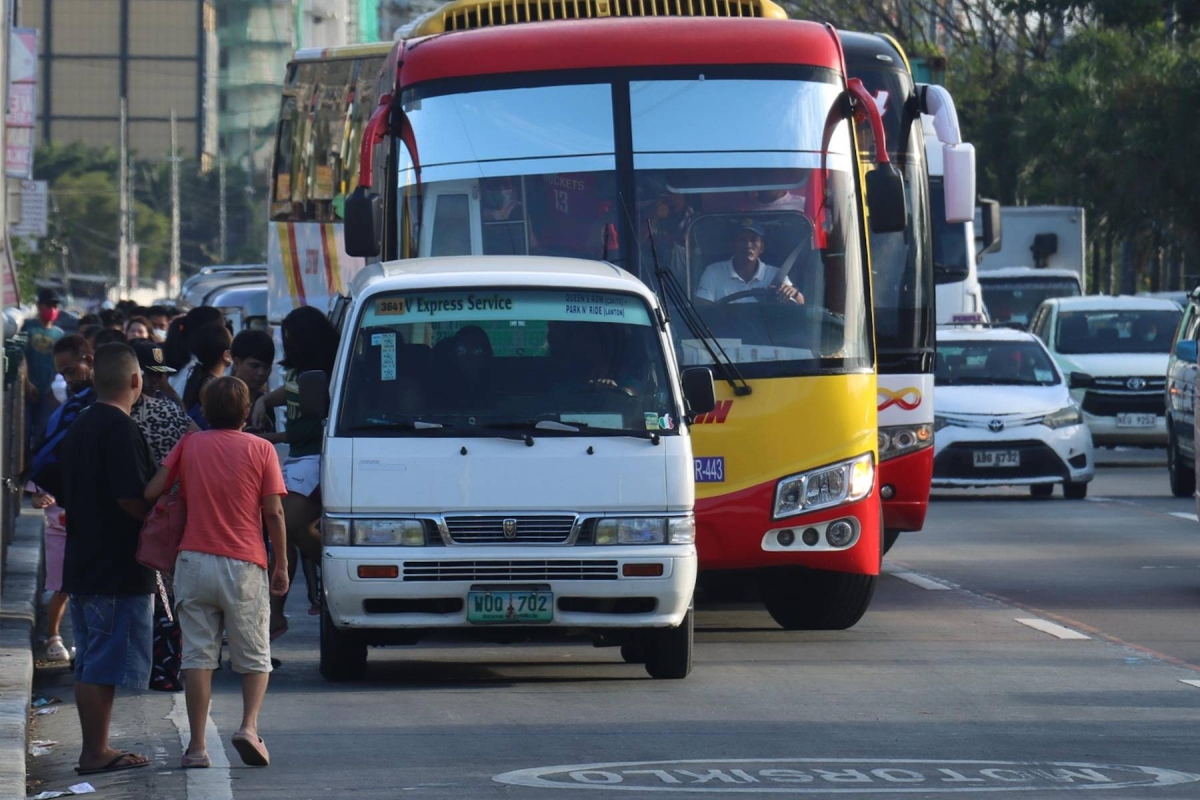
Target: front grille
[
  {"x": 541, "y": 529},
  {"x": 489, "y": 13},
  {"x": 1037, "y": 461},
  {"x": 1109, "y": 404},
  {"x": 1149, "y": 383},
  {"x": 519, "y": 571}
]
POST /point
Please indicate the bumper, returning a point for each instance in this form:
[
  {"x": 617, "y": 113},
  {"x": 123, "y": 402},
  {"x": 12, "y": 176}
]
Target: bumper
[
  {"x": 430, "y": 591},
  {"x": 1105, "y": 432},
  {"x": 733, "y": 531},
  {"x": 909, "y": 477},
  {"x": 1047, "y": 456}
]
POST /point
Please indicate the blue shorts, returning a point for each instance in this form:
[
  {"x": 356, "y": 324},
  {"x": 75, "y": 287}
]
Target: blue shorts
[{"x": 114, "y": 639}]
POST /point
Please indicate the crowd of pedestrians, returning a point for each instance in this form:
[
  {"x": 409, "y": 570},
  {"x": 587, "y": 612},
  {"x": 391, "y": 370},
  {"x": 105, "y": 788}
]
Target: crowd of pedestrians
[{"x": 142, "y": 403}]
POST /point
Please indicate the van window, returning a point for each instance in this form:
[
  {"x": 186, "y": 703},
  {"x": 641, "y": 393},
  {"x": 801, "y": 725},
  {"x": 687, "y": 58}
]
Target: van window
[{"x": 488, "y": 362}]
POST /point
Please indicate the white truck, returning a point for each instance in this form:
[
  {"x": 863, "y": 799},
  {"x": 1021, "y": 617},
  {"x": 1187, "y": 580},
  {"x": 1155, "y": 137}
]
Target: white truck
[
  {"x": 1042, "y": 256},
  {"x": 507, "y": 457}
]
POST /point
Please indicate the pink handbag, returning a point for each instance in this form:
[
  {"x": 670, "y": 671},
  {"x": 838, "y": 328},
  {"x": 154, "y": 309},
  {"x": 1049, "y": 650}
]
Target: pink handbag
[{"x": 162, "y": 531}]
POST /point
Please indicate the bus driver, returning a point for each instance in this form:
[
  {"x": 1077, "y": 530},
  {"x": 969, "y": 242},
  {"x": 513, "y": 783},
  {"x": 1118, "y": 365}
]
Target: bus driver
[{"x": 744, "y": 271}]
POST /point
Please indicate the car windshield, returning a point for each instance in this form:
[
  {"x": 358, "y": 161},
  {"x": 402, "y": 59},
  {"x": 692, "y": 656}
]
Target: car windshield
[
  {"x": 1112, "y": 331},
  {"x": 1014, "y": 301},
  {"x": 475, "y": 362},
  {"x": 533, "y": 170},
  {"x": 993, "y": 362}
]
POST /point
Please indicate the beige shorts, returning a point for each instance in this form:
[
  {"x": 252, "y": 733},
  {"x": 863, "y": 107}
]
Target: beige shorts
[{"x": 214, "y": 593}]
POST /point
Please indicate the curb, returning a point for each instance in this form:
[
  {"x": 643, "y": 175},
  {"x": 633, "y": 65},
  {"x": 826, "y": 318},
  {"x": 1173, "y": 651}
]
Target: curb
[{"x": 18, "y": 621}]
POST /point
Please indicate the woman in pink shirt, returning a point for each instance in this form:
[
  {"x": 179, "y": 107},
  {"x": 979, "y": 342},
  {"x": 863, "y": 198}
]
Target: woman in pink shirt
[{"x": 232, "y": 483}]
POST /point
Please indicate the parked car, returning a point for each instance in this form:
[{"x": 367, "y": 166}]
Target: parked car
[
  {"x": 1180, "y": 397},
  {"x": 1179, "y": 298},
  {"x": 1004, "y": 415},
  {"x": 1122, "y": 344}
]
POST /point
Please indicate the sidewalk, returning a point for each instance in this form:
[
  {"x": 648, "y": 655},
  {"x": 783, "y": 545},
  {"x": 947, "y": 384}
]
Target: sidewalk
[{"x": 18, "y": 619}]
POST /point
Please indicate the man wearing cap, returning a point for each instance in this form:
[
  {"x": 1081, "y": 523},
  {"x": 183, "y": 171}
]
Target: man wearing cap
[
  {"x": 41, "y": 335},
  {"x": 745, "y": 271}
]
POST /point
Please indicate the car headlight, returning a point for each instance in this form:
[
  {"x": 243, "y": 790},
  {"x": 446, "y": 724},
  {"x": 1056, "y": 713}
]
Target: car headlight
[
  {"x": 646, "y": 530},
  {"x": 1064, "y": 417},
  {"x": 844, "y": 482},
  {"x": 896, "y": 440},
  {"x": 373, "y": 532}
]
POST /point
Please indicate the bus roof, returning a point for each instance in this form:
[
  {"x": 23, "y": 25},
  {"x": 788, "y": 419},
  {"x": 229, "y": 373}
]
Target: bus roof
[
  {"x": 348, "y": 51},
  {"x": 876, "y": 48},
  {"x": 619, "y": 42}
]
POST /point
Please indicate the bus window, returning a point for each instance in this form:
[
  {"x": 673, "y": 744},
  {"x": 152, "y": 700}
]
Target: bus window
[
  {"x": 362, "y": 105},
  {"x": 330, "y": 107},
  {"x": 451, "y": 226}
]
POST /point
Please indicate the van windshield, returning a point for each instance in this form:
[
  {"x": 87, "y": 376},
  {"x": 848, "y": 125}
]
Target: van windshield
[
  {"x": 1113, "y": 331},
  {"x": 487, "y": 362}
]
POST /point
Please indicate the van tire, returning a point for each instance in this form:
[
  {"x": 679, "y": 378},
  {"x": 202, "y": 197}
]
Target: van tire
[
  {"x": 1041, "y": 489},
  {"x": 1183, "y": 481},
  {"x": 890, "y": 535},
  {"x": 634, "y": 652},
  {"x": 1075, "y": 491},
  {"x": 669, "y": 650},
  {"x": 343, "y": 655},
  {"x": 801, "y": 599}
]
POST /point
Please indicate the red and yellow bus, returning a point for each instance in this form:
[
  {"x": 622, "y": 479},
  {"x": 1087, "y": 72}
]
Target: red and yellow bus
[{"x": 659, "y": 144}]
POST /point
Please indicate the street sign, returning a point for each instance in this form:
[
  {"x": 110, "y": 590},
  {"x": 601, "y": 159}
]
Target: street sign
[{"x": 34, "y": 211}]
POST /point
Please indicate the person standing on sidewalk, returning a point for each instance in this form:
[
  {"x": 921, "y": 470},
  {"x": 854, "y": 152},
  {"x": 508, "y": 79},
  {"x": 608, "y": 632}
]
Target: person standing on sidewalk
[
  {"x": 42, "y": 334},
  {"x": 106, "y": 464},
  {"x": 55, "y": 537},
  {"x": 232, "y": 484}
]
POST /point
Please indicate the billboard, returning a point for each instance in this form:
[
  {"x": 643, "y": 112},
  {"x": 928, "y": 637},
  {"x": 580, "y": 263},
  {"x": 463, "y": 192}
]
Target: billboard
[{"x": 21, "y": 113}]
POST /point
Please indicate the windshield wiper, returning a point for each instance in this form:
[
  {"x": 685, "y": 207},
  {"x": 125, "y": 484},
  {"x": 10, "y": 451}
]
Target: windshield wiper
[
  {"x": 576, "y": 427},
  {"x": 398, "y": 424},
  {"x": 670, "y": 291}
]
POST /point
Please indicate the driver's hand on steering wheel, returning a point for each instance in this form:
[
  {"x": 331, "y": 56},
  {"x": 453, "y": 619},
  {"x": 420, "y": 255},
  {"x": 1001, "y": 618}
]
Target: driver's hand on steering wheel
[{"x": 786, "y": 292}]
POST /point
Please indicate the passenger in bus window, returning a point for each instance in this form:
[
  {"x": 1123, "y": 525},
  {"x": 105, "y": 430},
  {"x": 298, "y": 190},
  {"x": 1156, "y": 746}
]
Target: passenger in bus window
[
  {"x": 745, "y": 271},
  {"x": 501, "y": 200}
]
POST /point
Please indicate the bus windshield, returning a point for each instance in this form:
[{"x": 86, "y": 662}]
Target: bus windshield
[
  {"x": 472, "y": 362},
  {"x": 534, "y": 170}
]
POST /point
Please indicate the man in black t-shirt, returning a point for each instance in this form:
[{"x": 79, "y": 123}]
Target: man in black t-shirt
[{"x": 106, "y": 464}]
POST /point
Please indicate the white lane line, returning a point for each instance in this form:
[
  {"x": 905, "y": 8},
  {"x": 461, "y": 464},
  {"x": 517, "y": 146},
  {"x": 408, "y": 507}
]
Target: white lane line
[
  {"x": 1184, "y": 515},
  {"x": 922, "y": 581},
  {"x": 1049, "y": 627},
  {"x": 204, "y": 784},
  {"x": 1191, "y": 683}
]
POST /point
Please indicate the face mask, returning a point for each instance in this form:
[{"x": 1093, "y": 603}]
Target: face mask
[
  {"x": 47, "y": 314},
  {"x": 161, "y": 333}
]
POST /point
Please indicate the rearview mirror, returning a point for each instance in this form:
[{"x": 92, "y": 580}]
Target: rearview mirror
[
  {"x": 1080, "y": 380},
  {"x": 958, "y": 181},
  {"x": 364, "y": 223},
  {"x": 885, "y": 199},
  {"x": 314, "y": 394},
  {"x": 989, "y": 212},
  {"x": 698, "y": 390},
  {"x": 1185, "y": 351}
]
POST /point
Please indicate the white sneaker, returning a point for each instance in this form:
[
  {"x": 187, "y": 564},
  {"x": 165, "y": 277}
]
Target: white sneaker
[{"x": 56, "y": 651}]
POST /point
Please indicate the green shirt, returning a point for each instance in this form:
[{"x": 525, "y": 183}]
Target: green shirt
[
  {"x": 303, "y": 433},
  {"x": 39, "y": 353}
]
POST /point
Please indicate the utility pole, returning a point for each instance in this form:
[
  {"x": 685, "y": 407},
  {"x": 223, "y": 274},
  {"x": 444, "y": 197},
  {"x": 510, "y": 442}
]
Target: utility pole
[
  {"x": 221, "y": 182},
  {"x": 173, "y": 283},
  {"x": 123, "y": 210}
]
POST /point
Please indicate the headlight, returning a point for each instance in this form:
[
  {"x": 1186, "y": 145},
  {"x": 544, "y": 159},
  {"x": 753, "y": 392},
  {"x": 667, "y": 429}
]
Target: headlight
[
  {"x": 389, "y": 532},
  {"x": 845, "y": 482},
  {"x": 1064, "y": 417},
  {"x": 335, "y": 532},
  {"x": 646, "y": 530},
  {"x": 896, "y": 440},
  {"x": 373, "y": 532}
]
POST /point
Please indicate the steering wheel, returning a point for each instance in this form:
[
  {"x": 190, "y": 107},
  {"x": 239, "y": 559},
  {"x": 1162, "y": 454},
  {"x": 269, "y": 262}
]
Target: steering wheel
[
  {"x": 768, "y": 294},
  {"x": 613, "y": 388}
]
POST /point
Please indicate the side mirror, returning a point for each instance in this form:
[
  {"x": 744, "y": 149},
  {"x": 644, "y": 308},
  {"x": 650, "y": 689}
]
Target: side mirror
[
  {"x": 990, "y": 217},
  {"x": 314, "y": 394},
  {"x": 698, "y": 390},
  {"x": 958, "y": 181},
  {"x": 1185, "y": 351},
  {"x": 364, "y": 223},
  {"x": 885, "y": 199},
  {"x": 1080, "y": 380}
]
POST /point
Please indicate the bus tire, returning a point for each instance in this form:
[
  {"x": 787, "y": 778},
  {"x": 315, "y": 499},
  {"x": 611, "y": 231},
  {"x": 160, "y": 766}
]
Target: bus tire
[
  {"x": 890, "y": 535},
  {"x": 1183, "y": 480},
  {"x": 343, "y": 655},
  {"x": 1041, "y": 489},
  {"x": 669, "y": 650},
  {"x": 801, "y": 599}
]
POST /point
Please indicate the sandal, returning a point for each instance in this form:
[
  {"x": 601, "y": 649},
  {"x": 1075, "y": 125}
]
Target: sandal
[
  {"x": 57, "y": 652},
  {"x": 252, "y": 750},
  {"x": 195, "y": 762},
  {"x": 116, "y": 764}
]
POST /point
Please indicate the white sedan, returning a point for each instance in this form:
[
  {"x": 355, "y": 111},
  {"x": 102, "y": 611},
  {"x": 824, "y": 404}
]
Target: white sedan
[{"x": 1004, "y": 415}]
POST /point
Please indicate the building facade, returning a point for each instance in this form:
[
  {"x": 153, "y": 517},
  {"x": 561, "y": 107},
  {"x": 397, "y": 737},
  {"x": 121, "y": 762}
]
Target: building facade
[{"x": 161, "y": 55}]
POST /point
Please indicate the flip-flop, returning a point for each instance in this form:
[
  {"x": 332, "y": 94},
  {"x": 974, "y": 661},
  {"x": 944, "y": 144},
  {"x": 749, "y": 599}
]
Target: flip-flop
[
  {"x": 195, "y": 762},
  {"x": 253, "y": 751},
  {"x": 115, "y": 765}
]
